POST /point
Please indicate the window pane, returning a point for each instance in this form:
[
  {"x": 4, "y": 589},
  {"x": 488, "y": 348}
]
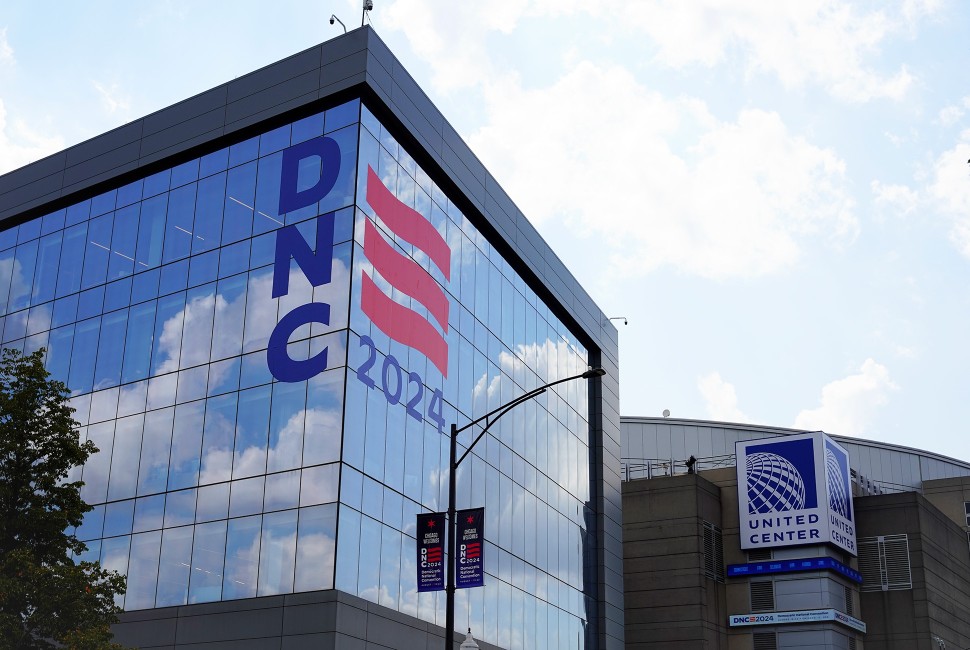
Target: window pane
[
  {"x": 45, "y": 280},
  {"x": 242, "y": 558},
  {"x": 156, "y": 443},
  {"x": 390, "y": 567},
  {"x": 322, "y": 438},
  {"x": 151, "y": 232},
  {"x": 127, "y": 446},
  {"x": 217, "y": 439},
  {"x": 95, "y": 474},
  {"x": 252, "y": 430},
  {"x": 246, "y": 497},
  {"x": 72, "y": 257},
  {"x": 213, "y": 502},
  {"x": 286, "y": 426},
  {"x": 173, "y": 571},
  {"x": 368, "y": 570},
  {"x": 84, "y": 355},
  {"x": 123, "y": 242},
  {"x": 208, "y": 557},
  {"x": 143, "y": 571},
  {"x": 183, "y": 468},
  {"x": 179, "y": 223},
  {"x": 108, "y": 368},
  {"x": 315, "y": 548},
  {"x": 319, "y": 485},
  {"x": 97, "y": 251},
  {"x": 149, "y": 513},
  {"x": 180, "y": 508},
  {"x": 117, "y": 518},
  {"x": 277, "y": 553},
  {"x": 282, "y": 491},
  {"x": 114, "y": 557}
]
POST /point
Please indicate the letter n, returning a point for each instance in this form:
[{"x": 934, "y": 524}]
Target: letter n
[
  {"x": 328, "y": 151},
  {"x": 315, "y": 265}
]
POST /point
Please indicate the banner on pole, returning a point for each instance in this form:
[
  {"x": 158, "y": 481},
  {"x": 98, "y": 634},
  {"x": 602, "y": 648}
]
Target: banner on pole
[
  {"x": 431, "y": 551},
  {"x": 470, "y": 540}
]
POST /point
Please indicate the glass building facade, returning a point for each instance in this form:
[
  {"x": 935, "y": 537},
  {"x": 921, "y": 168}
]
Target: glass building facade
[{"x": 268, "y": 344}]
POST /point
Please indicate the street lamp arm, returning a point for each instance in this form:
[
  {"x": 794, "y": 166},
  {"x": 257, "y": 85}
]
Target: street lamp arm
[
  {"x": 504, "y": 409},
  {"x": 535, "y": 392}
]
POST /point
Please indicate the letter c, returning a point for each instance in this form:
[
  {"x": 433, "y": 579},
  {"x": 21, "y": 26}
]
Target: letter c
[{"x": 278, "y": 360}]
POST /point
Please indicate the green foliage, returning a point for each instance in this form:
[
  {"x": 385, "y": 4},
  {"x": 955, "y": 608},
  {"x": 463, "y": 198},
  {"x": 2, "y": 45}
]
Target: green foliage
[{"x": 46, "y": 599}]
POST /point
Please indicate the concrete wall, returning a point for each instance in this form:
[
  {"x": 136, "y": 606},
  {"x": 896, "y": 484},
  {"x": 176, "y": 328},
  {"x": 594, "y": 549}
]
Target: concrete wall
[
  {"x": 949, "y": 495},
  {"x": 324, "y": 620},
  {"x": 938, "y": 605},
  {"x": 669, "y": 602}
]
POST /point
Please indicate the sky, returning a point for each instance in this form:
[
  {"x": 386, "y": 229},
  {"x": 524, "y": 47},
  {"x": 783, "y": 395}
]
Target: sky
[{"x": 775, "y": 195}]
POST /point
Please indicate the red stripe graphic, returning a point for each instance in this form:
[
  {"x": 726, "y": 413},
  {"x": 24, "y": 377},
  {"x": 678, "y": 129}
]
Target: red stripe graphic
[
  {"x": 402, "y": 324},
  {"x": 407, "y": 223},
  {"x": 405, "y": 274},
  {"x": 473, "y": 551}
]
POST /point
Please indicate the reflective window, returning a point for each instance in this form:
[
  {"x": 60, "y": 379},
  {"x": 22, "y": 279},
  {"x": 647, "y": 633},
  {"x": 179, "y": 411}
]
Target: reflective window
[
  {"x": 173, "y": 571},
  {"x": 208, "y": 559},
  {"x": 242, "y": 558},
  {"x": 214, "y": 480},
  {"x": 143, "y": 570}
]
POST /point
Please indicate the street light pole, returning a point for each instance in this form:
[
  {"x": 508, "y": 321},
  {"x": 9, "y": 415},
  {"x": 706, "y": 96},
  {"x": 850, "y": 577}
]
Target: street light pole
[{"x": 490, "y": 418}]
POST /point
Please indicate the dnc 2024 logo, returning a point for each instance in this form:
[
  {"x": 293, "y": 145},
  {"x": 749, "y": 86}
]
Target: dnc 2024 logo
[{"x": 399, "y": 322}]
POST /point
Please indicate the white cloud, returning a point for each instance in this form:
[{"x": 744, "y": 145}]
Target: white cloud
[
  {"x": 826, "y": 42},
  {"x": 432, "y": 33},
  {"x": 900, "y": 199},
  {"x": 950, "y": 190},
  {"x": 848, "y": 405},
  {"x": 953, "y": 113},
  {"x": 6, "y": 51},
  {"x": 736, "y": 202},
  {"x": 112, "y": 98},
  {"x": 950, "y": 115},
  {"x": 720, "y": 399},
  {"x": 20, "y": 144}
]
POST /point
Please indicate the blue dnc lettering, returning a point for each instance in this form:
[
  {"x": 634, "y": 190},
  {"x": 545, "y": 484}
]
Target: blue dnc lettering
[{"x": 315, "y": 263}]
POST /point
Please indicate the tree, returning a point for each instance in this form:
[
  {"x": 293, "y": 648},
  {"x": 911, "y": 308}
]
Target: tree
[{"x": 47, "y": 600}]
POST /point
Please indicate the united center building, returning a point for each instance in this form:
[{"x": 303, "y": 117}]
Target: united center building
[
  {"x": 743, "y": 536},
  {"x": 270, "y": 302}
]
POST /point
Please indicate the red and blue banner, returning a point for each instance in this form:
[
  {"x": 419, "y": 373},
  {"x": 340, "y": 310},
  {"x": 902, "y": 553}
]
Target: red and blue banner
[
  {"x": 431, "y": 551},
  {"x": 470, "y": 538}
]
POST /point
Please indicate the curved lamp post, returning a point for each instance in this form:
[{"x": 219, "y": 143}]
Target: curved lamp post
[{"x": 489, "y": 418}]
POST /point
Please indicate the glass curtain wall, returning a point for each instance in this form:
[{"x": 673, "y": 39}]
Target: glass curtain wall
[
  {"x": 214, "y": 481},
  {"x": 530, "y": 472},
  {"x": 155, "y": 304}
]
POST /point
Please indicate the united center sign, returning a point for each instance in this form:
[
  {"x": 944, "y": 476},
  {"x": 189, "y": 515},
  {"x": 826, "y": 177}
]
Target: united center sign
[{"x": 795, "y": 490}]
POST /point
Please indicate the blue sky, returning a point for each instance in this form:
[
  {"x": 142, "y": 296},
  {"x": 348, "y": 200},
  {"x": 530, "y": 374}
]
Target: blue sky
[{"x": 776, "y": 195}]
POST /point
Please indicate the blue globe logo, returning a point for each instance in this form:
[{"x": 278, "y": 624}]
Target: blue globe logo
[
  {"x": 774, "y": 484},
  {"x": 838, "y": 492}
]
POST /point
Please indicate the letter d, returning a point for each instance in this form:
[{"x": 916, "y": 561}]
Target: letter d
[{"x": 329, "y": 153}]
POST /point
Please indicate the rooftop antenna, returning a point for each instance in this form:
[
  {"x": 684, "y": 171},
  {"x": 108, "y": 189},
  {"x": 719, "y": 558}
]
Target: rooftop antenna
[
  {"x": 368, "y": 5},
  {"x": 333, "y": 17}
]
